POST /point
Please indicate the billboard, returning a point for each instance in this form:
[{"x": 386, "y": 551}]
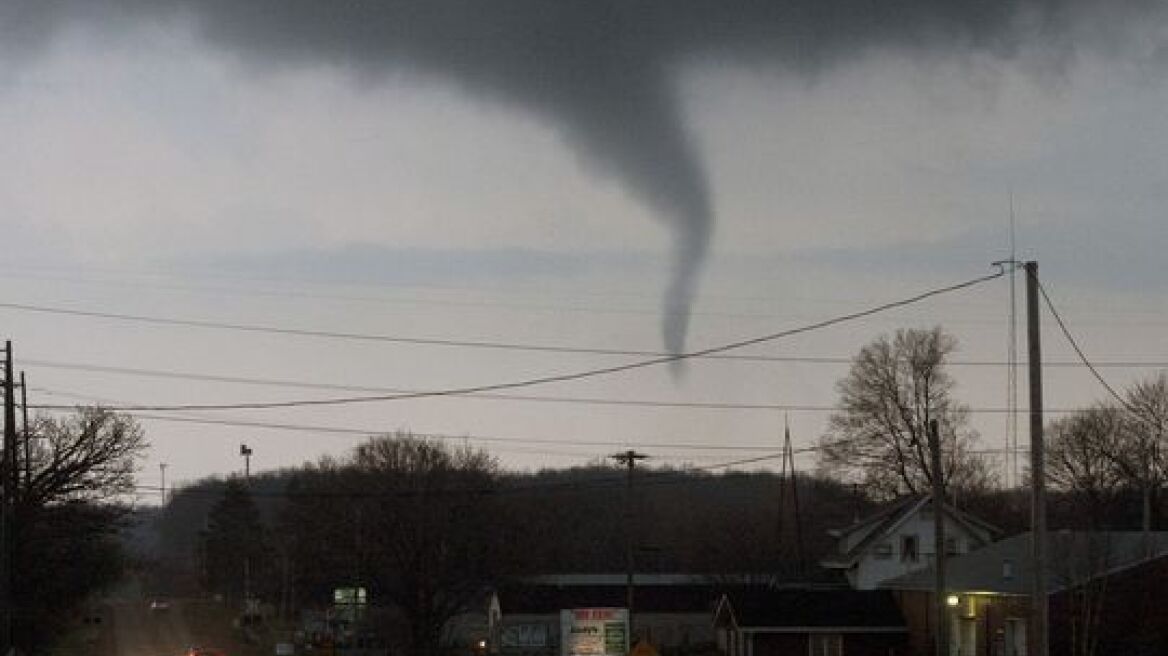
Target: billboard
[{"x": 594, "y": 632}]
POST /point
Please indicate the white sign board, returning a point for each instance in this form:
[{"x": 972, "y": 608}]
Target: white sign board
[{"x": 594, "y": 632}]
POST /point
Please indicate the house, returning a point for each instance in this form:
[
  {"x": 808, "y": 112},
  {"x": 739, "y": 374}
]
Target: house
[
  {"x": 815, "y": 621},
  {"x": 1107, "y": 590},
  {"x": 899, "y": 540}
]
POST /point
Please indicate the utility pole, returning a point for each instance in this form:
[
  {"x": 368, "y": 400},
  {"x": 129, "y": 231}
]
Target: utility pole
[
  {"x": 629, "y": 460},
  {"x": 27, "y": 434},
  {"x": 7, "y": 526},
  {"x": 940, "y": 596},
  {"x": 162, "y": 481},
  {"x": 1038, "y": 600}
]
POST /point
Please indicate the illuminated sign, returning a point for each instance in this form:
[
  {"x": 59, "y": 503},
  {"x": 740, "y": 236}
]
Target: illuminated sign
[{"x": 594, "y": 632}]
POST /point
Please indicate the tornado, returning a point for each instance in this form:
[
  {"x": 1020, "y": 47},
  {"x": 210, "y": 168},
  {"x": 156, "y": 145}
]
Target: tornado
[{"x": 603, "y": 73}]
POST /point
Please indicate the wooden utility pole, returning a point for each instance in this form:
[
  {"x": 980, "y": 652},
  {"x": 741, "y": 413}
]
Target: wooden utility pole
[
  {"x": 7, "y": 527},
  {"x": 1038, "y": 600},
  {"x": 26, "y": 433},
  {"x": 940, "y": 595},
  {"x": 629, "y": 460}
]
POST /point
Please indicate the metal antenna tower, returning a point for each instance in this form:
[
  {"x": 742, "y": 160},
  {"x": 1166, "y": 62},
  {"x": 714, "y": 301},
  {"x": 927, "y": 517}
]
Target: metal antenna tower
[
  {"x": 1012, "y": 367},
  {"x": 789, "y": 486}
]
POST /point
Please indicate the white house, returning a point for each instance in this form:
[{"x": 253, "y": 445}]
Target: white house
[{"x": 899, "y": 540}]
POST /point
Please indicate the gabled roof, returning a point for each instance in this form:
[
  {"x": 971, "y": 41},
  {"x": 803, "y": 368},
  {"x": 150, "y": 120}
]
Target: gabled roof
[
  {"x": 1073, "y": 558},
  {"x": 894, "y": 509},
  {"x": 875, "y": 527},
  {"x": 773, "y": 610}
]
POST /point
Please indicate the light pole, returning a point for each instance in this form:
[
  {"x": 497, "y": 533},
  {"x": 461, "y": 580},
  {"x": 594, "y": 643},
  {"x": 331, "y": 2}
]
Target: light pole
[{"x": 245, "y": 451}]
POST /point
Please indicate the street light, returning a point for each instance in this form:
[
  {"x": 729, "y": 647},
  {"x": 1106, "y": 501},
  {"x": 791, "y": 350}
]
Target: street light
[{"x": 245, "y": 451}]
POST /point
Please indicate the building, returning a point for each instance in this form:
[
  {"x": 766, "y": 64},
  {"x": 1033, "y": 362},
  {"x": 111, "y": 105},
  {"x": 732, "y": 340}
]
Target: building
[
  {"x": 1107, "y": 591},
  {"x": 819, "y": 622},
  {"x": 899, "y": 540},
  {"x": 672, "y": 612}
]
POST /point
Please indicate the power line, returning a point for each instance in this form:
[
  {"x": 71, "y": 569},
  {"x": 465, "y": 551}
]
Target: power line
[
  {"x": 398, "y": 339},
  {"x": 579, "y": 375},
  {"x": 301, "y": 384},
  {"x": 651, "y": 478},
  {"x": 366, "y": 432},
  {"x": 1087, "y": 362},
  {"x": 1075, "y": 345},
  {"x": 478, "y": 290}
]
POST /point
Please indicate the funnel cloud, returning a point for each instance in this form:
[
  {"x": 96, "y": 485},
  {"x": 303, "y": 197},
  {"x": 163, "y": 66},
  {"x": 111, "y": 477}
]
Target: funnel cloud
[{"x": 603, "y": 73}]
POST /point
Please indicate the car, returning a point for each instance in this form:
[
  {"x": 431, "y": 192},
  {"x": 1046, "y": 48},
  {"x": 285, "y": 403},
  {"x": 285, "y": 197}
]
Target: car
[{"x": 159, "y": 606}]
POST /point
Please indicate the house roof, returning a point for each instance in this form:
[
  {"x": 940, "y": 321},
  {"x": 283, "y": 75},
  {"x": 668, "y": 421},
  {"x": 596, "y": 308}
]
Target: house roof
[
  {"x": 529, "y": 599},
  {"x": 1072, "y": 558},
  {"x": 776, "y": 610},
  {"x": 875, "y": 527}
]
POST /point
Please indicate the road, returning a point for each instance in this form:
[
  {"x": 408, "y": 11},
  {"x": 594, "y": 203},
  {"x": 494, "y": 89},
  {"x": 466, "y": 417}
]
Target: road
[
  {"x": 137, "y": 631},
  {"x": 132, "y": 629}
]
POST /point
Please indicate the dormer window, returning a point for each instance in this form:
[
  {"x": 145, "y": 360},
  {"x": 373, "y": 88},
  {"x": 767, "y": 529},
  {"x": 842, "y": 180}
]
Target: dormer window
[{"x": 909, "y": 549}]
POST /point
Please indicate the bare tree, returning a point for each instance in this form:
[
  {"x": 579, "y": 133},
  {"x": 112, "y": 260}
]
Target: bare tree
[
  {"x": 89, "y": 455},
  {"x": 1081, "y": 456},
  {"x": 1140, "y": 455},
  {"x": 68, "y": 516},
  {"x": 1079, "y": 565},
  {"x": 879, "y": 435}
]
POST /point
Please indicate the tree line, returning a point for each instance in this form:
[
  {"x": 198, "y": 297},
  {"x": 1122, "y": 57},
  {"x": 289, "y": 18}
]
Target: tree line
[{"x": 426, "y": 527}]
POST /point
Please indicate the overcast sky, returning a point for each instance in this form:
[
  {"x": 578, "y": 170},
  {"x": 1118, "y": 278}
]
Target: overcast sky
[{"x": 653, "y": 177}]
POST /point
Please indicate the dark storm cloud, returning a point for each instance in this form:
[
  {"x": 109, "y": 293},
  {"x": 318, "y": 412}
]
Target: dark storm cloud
[{"x": 604, "y": 72}]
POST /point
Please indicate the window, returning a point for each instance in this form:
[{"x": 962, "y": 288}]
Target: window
[
  {"x": 909, "y": 549},
  {"x": 951, "y": 546},
  {"x": 1015, "y": 637},
  {"x": 883, "y": 550},
  {"x": 1007, "y": 569},
  {"x": 825, "y": 644}
]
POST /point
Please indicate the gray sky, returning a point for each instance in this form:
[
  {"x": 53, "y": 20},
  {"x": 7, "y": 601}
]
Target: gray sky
[{"x": 565, "y": 174}]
